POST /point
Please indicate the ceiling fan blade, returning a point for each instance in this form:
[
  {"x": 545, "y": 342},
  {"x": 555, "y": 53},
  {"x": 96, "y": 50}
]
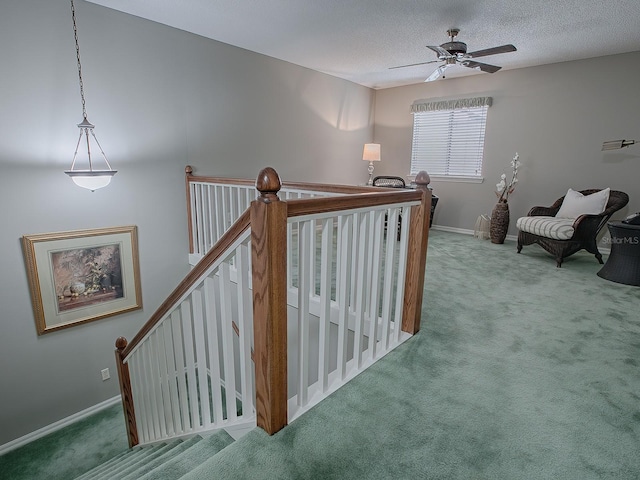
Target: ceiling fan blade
[
  {"x": 437, "y": 72},
  {"x": 491, "y": 51},
  {"x": 414, "y": 64},
  {"x": 485, "y": 67},
  {"x": 442, "y": 53}
]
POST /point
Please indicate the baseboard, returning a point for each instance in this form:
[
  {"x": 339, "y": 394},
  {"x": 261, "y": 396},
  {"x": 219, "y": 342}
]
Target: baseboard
[
  {"x": 465, "y": 231},
  {"x": 239, "y": 431},
  {"x": 30, "y": 437}
]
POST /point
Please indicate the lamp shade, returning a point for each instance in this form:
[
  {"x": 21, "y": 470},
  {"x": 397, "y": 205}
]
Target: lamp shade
[{"x": 371, "y": 152}]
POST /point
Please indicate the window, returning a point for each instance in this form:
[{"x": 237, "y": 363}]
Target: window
[{"x": 448, "y": 137}]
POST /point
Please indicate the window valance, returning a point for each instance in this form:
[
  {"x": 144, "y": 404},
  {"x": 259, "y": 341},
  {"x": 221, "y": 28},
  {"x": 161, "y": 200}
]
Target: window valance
[{"x": 455, "y": 104}]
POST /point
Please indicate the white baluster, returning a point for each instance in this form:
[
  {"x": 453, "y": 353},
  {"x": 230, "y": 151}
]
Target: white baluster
[
  {"x": 376, "y": 256},
  {"x": 245, "y": 325},
  {"x": 304, "y": 277},
  {"x": 172, "y": 380},
  {"x": 164, "y": 383},
  {"x": 227, "y": 341},
  {"x": 344, "y": 294},
  {"x": 387, "y": 295},
  {"x": 201, "y": 358},
  {"x": 325, "y": 303},
  {"x": 213, "y": 346},
  {"x": 181, "y": 371},
  {"x": 402, "y": 268},
  {"x": 362, "y": 284},
  {"x": 192, "y": 381}
]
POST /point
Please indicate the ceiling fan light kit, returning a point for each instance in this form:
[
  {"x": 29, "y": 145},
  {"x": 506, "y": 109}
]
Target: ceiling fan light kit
[{"x": 454, "y": 52}]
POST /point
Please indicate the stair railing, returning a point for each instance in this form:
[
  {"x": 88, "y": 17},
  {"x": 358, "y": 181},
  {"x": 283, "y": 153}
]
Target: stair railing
[
  {"x": 215, "y": 203},
  {"x": 357, "y": 281},
  {"x": 189, "y": 368},
  {"x": 353, "y": 272}
]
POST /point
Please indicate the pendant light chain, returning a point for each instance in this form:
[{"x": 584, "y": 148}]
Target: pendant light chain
[{"x": 75, "y": 34}]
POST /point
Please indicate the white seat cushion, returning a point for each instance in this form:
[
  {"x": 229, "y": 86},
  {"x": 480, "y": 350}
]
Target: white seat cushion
[{"x": 550, "y": 227}]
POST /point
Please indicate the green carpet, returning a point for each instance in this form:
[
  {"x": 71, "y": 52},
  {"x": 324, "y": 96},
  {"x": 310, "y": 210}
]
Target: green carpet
[
  {"x": 70, "y": 451},
  {"x": 521, "y": 371}
]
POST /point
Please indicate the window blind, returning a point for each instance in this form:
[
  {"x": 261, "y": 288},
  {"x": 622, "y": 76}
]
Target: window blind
[{"x": 448, "y": 137}]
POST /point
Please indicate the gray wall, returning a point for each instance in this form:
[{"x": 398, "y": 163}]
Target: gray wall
[
  {"x": 160, "y": 99},
  {"x": 555, "y": 116}
]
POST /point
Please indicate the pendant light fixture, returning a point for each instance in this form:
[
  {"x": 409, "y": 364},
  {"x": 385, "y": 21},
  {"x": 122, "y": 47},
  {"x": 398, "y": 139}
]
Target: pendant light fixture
[{"x": 91, "y": 179}]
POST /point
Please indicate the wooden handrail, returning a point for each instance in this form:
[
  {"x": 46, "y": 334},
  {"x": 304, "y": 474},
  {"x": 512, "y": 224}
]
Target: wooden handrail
[
  {"x": 229, "y": 237},
  {"x": 314, "y": 187},
  {"x": 309, "y": 206}
]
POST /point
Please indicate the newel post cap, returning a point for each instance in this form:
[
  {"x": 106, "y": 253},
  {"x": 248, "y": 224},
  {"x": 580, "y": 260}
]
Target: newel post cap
[
  {"x": 121, "y": 343},
  {"x": 422, "y": 178},
  {"x": 268, "y": 184}
]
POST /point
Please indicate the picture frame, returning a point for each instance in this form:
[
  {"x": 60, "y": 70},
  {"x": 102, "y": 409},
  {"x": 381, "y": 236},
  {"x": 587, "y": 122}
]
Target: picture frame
[{"x": 81, "y": 276}]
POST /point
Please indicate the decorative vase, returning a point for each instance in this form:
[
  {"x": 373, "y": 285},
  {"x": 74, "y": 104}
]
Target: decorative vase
[
  {"x": 77, "y": 288},
  {"x": 499, "y": 222}
]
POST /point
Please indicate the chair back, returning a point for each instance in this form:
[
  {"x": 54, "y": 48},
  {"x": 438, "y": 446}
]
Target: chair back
[
  {"x": 617, "y": 200},
  {"x": 388, "y": 181}
]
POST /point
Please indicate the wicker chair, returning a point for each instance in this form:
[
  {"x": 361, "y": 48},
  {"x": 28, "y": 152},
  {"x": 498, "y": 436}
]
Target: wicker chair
[{"x": 585, "y": 228}]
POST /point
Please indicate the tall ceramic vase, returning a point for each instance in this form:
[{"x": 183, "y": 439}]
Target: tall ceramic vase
[{"x": 499, "y": 222}]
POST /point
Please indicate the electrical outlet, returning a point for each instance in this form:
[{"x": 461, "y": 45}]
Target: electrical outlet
[{"x": 105, "y": 374}]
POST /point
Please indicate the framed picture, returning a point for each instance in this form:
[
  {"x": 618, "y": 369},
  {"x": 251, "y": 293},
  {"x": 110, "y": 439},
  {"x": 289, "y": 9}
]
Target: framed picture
[{"x": 81, "y": 276}]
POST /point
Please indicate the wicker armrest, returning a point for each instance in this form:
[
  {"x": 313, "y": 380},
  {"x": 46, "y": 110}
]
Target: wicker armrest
[
  {"x": 543, "y": 211},
  {"x": 589, "y": 223}
]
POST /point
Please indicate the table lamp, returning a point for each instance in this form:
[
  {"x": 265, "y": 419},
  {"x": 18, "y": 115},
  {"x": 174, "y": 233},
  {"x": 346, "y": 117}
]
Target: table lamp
[{"x": 371, "y": 153}]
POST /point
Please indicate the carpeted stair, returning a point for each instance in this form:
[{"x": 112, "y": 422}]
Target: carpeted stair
[{"x": 165, "y": 461}]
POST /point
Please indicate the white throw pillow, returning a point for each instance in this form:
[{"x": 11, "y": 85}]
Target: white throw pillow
[{"x": 576, "y": 204}]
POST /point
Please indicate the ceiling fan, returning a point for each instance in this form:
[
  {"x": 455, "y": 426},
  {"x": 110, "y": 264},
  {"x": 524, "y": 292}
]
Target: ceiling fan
[{"x": 454, "y": 52}]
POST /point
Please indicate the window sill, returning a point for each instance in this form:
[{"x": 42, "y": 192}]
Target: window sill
[{"x": 451, "y": 178}]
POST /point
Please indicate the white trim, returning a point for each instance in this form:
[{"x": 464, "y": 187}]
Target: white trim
[
  {"x": 240, "y": 430},
  {"x": 54, "y": 427},
  {"x": 465, "y": 231},
  {"x": 458, "y": 179},
  {"x": 602, "y": 249}
]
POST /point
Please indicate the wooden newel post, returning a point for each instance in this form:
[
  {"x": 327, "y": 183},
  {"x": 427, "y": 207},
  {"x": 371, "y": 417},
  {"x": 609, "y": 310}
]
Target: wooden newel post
[
  {"x": 188, "y": 173},
  {"x": 417, "y": 257},
  {"x": 269, "y": 262},
  {"x": 126, "y": 393}
]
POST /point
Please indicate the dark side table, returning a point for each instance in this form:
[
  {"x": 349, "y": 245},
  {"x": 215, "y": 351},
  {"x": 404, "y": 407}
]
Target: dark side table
[{"x": 623, "y": 264}]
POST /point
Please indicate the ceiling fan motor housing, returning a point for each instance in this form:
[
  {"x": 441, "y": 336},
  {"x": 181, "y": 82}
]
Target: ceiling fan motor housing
[{"x": 455, "y": 48}]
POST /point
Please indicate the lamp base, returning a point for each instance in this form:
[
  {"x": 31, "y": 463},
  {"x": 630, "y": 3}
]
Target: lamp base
[{"x": 370, "y": 182}]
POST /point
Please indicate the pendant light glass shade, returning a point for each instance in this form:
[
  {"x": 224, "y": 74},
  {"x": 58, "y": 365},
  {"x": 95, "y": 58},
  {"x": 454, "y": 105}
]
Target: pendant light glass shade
[{"x": 91, "y": 180}]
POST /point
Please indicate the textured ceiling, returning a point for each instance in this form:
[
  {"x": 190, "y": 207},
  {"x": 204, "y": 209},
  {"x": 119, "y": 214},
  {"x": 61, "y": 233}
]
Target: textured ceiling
[{"x": 359, "y": 40}]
